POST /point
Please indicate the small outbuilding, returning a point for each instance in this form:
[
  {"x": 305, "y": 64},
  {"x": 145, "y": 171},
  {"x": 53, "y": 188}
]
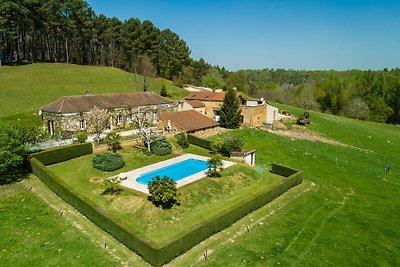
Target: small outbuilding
[{"x": 247, "y": 156}]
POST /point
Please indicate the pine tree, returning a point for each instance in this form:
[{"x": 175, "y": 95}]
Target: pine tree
[
  {"x": 230, "y": 112},
  {"x": 163, "y": 91}
]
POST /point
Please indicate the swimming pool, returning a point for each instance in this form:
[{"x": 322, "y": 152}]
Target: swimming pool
[
  {"x": 175, "y": 171},
  {"x": 183, "y": 169}
]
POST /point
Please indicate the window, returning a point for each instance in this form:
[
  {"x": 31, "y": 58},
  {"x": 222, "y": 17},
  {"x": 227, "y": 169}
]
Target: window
[
  {"x": 129, "y": 118},
  {"x": 119, "y": 119},
  {"x": 154, "y": 117},
  {"x": 82, "y": 125}
]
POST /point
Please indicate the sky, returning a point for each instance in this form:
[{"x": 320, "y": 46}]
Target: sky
[{"x": 259, "y": 34}]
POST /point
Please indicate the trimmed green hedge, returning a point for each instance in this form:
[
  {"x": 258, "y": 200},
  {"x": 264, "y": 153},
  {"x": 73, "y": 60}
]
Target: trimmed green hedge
[
  {"x": 60, "y": 154},
  {"x": 282, "y": 170},
  {"x": 159, "y": 254},
  {"x": 199, "y": 142}
]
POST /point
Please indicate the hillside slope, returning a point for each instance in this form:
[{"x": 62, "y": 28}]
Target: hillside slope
[{"x": 24, "y": 89}]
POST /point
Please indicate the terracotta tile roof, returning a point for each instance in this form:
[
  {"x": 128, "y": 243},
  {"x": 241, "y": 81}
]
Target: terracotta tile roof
[
  {"x": 206, "y": 96},
  {"x": 84, "y": 103},
  {"x": 195, "y": 103},
  {"x": 189, "y": 120}
]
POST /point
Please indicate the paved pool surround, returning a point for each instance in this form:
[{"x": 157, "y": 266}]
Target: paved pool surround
[{"x": 131, "y": 176}]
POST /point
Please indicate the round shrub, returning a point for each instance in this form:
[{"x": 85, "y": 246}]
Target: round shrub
[
  {"x": 161, "y": 147},
  {"x": 108, "y": 161},
  {"x": 231, "y": 144},
  {"x": 163, "y": 191},
  {"x": 82, "y": 137}
]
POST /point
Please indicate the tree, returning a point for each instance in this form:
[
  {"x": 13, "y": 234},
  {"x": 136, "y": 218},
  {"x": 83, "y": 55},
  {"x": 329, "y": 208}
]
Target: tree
[
  {"x": 238, "y": 79},
  {"x": 213, "y": 79},
  {"x": 97, "y": 121},
  {"x": 15, "y": 144},
  {"x": 357, "y": 109},
  {"x": 305, "y": 98},
  {"x": 230, "y": 112},
  {"x": 230, "y": 144},
  {"x": 147, "y": 134},
  {"x": 215, "y": 164},
  {"x": 163, "y": 91},
  {"x": 163, "y": 191},
  {"x": 113, "y": 140}
]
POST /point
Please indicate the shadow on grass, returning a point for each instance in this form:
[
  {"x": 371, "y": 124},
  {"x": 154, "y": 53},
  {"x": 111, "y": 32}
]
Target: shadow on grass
[{"x": 13, "y": 176}]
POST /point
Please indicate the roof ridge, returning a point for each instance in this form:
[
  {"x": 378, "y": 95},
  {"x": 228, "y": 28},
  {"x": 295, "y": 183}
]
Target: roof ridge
[{"x": 62, "y": 104}]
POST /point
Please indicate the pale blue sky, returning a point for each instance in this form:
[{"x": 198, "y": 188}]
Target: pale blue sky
[{"x": 257, "y": 34}]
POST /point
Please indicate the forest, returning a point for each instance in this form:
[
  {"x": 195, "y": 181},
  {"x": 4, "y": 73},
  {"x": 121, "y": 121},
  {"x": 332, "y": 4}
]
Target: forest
[{"x": 69, "y": 31}]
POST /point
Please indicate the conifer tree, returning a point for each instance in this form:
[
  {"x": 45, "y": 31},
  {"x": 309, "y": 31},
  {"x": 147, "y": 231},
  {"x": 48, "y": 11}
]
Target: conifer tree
[
  {"x": 163, "y": 91},
  {"x": 230, "y": 112}
]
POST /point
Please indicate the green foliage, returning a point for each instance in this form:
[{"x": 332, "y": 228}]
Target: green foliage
[
  {"x": 60, "y": 154},
  {"x": 163, "y": 91},
  {"x": 327, "y": 91},
  {"x": 15, "y": 143},
  {"x": 112, "y": 186},
  {"x": 230, "y": 112},
  {"x": 216, "y": 147},
  {"x": 161, "y": 147},
  {"x": 113, "y": 140},
  {"x": 199, "y": 142},
  {"x": 108, "y": 161},
  {"x": 215, "y": 165},
  {"x": 163, "y": 191},
  {"x": 82, "y": 137},
  {"x": 213, "y": 80},
  {"x": 230, "y": 144},
  {"x": 182, "y": 140}
]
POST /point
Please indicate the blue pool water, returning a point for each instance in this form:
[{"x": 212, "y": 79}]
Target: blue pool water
[{"x": 175, "y": 171}]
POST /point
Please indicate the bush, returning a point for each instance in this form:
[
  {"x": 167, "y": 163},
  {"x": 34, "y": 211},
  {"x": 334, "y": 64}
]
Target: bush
[
  {"x": 182, "y": 140},
  {"x": 231, "y": 144},
  {"x": 111, "y": 185},
  {"x": 108, "y": 161},
  {"x": 163, "y": 191},
  {"x": 161, "y": 147},
  {"x": 113, "y": 140},
  {"x": 82, "y": 137}
]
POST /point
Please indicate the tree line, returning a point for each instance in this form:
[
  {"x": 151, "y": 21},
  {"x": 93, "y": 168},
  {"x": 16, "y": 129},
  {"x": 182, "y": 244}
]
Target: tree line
[
  {"x": 69, "y": 31},
  {"x": 368, "y": 95}
]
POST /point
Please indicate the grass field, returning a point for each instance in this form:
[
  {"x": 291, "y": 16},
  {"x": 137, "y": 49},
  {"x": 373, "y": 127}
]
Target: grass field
[
  {"x": 32, "y": 233},
  {"x": 198, "y": 201},
  {"x": 24, "y": 89}
]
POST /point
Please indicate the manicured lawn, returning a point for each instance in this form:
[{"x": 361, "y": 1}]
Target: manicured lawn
[
  {"x": 24, "y": 89},
  {"x": 33, "y": 234},
  {"x": 198, "y": 201}
]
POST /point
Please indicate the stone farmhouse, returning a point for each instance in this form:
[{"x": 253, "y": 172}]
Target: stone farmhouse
[
  {"x": 254, "y": 112},
  {"x": 68, "y": 114}
]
